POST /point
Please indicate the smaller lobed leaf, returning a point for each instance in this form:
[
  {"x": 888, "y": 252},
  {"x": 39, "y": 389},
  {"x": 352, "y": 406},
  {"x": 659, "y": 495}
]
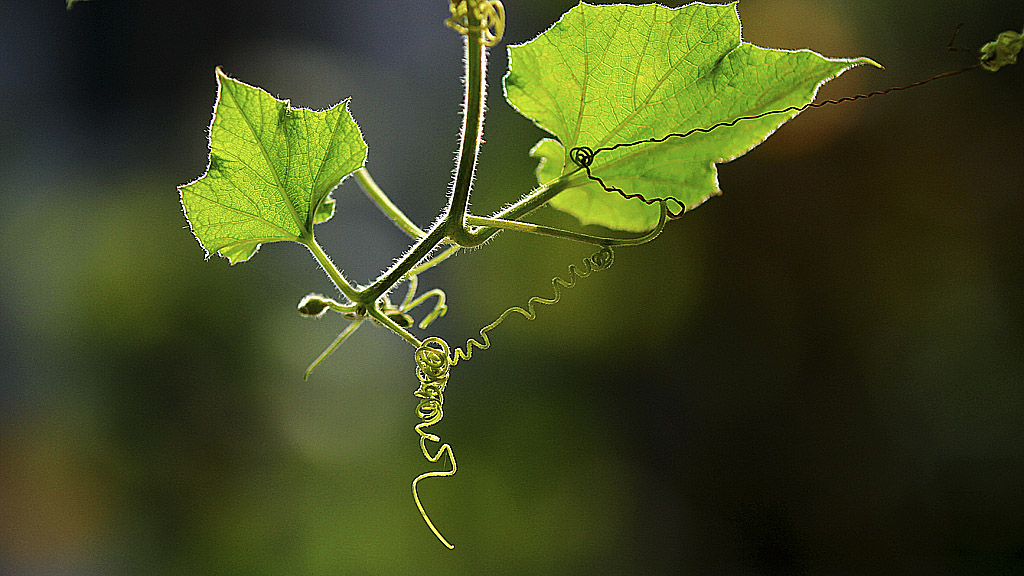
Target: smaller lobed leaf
[{"x": 271, "y": 172}]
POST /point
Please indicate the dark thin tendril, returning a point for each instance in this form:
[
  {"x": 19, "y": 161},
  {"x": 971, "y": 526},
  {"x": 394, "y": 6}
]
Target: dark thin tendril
[
  {"x": 952, "y": 47},
  {"x": 584, "y": 156}
]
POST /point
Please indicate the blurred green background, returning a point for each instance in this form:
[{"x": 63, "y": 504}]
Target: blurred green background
[{"x": 820, "y": 372}]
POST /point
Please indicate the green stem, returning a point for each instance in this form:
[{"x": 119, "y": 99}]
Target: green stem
[
  {"x": 375, "y": 194},
  {"x": 332, "y": 270},
  {"x": 453, "y": 225},
  {"x": 450, "y": 251},
  {"x": 568, "y": 234},
  {"x": 390, "y": 324},
  {"x": 528, "y": 227},
  {"x": 420, "y": 250},
  {"x": 538, "y": 197},
  {"x": 472, "y": 129},
  {"x": 334, "y": 346},
  {"x": 426, "y": 244},
  {"x": 341, "y": 309},
  {"x": 524, "y": 206}
]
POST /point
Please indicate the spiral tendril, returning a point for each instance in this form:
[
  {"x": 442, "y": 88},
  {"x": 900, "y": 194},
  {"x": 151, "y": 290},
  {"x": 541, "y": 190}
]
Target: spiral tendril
[
  {"x": 489, "y": 13},
  {"x": 582, "y": 156},
  {"x": 434, "y": 361},
  {"x": 600, "y": 260},
  {"x": 412, "y": 301},
  {"x": 432, "y": 371}
]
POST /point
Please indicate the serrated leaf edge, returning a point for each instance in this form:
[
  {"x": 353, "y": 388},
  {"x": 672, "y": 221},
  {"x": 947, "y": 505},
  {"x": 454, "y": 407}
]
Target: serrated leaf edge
[{"x": 207, "y": 252}]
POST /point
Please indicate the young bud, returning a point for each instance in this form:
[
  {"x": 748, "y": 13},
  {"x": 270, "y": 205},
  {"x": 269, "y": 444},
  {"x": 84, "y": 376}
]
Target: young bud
[{"x": 313, "y": 305}]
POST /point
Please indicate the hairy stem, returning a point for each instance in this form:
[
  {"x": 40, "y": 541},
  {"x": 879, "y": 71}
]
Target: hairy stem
[
  {"x": 472, "y": 130},
  {"x": 378, "y": 197},
  {"x": 399, "y": 269},
  {"x": 453, "y": 225},
  {"x": 437, "y": 234},
  {"x": 332, "y": 270}
]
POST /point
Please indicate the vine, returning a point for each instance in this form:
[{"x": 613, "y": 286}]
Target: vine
[
  {"x": 434, "y": 361},
  {"x": 434, "y": 358},
  {"x": 273, "y": 167}
]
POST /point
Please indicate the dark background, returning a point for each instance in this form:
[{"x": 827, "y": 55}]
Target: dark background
[{"x": 820, "y": 372}]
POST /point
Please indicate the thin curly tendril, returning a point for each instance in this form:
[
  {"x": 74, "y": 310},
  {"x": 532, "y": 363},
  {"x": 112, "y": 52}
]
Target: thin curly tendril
[
  {"x": 600, "y": 260},
  {"x": 411, "y": 301},
  {"x": 434, "y": 361},
  {"x": 432, "y": 370},
  {"x": 583, "y": 156},
  {"x": 489, "y": 13}
]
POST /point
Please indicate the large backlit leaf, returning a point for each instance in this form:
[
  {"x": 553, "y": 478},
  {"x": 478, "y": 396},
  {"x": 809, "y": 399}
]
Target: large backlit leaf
[
  {"x": 272, "y": 169},
  {"x": 606, "y": 75}
]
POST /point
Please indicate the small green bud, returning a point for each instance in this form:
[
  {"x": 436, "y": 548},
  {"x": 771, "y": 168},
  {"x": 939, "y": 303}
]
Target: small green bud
[
  {"x": 313, "y": 305},
  {"x": 1002, "y": 51}
]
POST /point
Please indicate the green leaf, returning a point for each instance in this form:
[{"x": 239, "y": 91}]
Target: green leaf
[
  {"x": 607, "y": 75},
  {"x": 1002, "y": 51},
  {"x": 272, "y": 169}
]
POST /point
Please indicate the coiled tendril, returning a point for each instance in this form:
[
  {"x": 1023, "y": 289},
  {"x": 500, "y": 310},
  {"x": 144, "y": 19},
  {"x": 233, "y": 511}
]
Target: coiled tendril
[
  {"x": 434, "y": 362},
  {"x": 582, "y": 156},
  {"x": 432, "y": 371},
  {"x": 489, "y": 13},
  {"x": 600, "y": 260}
]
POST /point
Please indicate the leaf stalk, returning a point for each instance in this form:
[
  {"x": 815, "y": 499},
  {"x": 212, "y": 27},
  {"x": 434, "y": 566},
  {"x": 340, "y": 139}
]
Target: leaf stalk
[
  {"x": 378, "y": 197},
  {"x": 332, "y": 271}
]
